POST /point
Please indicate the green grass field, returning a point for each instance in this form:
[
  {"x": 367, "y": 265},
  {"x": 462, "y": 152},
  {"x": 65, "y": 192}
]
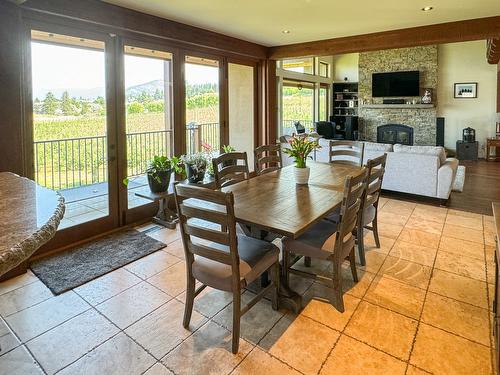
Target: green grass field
[{"x": 69, "y": 163}]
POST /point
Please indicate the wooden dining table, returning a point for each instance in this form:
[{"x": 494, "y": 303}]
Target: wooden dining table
[{"x": 274, "y": 203}]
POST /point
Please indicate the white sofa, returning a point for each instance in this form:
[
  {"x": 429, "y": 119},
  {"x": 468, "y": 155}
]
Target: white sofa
[{"x": 420, "y": 170}]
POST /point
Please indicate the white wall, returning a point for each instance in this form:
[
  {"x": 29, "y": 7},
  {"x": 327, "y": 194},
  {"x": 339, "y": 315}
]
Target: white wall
[
  {"x": 345, "y": 66},
  {"x": 466, "y": 62},
  {"x": 241, "y": 109}
]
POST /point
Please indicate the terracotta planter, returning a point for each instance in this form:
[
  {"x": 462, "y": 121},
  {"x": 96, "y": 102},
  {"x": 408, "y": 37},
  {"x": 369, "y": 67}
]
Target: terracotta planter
[{"x": 302, "y": 175}]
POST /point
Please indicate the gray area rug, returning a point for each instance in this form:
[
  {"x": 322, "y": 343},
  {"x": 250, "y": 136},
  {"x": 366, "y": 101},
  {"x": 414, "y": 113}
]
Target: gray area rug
[
  {"x": 72, "y": 268},
  {"x": 458, "y": 184}
]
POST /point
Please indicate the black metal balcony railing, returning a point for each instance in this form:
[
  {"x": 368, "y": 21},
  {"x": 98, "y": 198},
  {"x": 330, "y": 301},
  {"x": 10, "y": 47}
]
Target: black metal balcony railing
[
  {"x": 73, "y": 162},
  {"x": 198, "y": 135}
]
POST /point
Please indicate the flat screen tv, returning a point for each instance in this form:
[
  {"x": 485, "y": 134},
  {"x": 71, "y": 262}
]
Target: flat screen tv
[{"x": 396, "y": 84}]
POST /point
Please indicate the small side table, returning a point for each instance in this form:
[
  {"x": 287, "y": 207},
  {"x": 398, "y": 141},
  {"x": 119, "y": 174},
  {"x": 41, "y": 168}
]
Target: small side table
[
  {"x": 492, "y": 143},
  {"x": 165, "y": 216},
  {"x": 467, "y": 150}
]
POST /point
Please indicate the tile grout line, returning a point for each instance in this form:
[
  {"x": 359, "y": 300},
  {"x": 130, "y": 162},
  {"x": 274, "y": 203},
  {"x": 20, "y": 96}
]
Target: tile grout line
[
  {"x": 342, "y": 332},
  {"x": 424, "y": 301}
]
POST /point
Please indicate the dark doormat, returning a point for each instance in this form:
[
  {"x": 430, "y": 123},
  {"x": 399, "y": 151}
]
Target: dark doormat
[{"x": 72, "y": 268}]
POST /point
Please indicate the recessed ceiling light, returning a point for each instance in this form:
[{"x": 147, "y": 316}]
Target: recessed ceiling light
[
  {"x": 286, "y": 31},
  {"x": 428, "y": 8}
]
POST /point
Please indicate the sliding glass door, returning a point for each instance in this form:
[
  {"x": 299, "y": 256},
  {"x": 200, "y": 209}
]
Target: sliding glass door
[
  {"x": 105, "y": 106},
  {"x": 70, "y": 123}
]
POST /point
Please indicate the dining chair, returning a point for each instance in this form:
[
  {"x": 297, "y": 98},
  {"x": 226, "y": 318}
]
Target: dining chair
[
  {"x": 267, "y": 158},
  {"x": 346, "y": 152},
  {"x": 230, "y": 168},
  {"x": 312, "y": 243},
  {"x": 217, "y": 256},
  {"x": 369, "y": 203}
]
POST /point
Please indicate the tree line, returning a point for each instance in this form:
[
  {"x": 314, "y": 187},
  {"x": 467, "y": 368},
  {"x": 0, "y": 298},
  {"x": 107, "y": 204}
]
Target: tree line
[{"x": 197, "y": 96}]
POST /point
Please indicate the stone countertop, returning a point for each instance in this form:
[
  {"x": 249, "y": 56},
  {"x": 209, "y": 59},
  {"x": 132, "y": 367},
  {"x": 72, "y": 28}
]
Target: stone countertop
[{"x": 29, "y": 217}]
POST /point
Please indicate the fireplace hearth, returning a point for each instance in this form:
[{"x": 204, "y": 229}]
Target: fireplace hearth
[{"x": 395, "y": 133}]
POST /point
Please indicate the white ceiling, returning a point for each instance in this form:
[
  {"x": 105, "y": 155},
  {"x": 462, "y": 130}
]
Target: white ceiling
[{"x": 262, "y": 21}]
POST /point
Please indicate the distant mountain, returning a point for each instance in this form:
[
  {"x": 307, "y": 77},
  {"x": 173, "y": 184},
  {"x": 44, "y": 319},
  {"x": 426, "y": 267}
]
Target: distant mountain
[
  {"x": 148, "y": 87},
  {"x": 132, "y": 91}
]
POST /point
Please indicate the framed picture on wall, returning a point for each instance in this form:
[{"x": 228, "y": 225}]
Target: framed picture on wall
[{"x": 465, "y": 90}]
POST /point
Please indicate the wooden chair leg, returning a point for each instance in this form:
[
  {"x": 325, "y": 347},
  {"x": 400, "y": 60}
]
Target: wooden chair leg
[
  {"x": 236, "y": 320},
  {"x": 337, "y": 301},
  {"x": 352, "y": 261},
  {"x": 275, "y": 276},
  {"x": 286, "y": 265},
  {"x": 188, "y": 308},
  {"x": 375, "y": 232},
  {"x": 361, "y": 245},
  {"x": 307, "y": 261}
]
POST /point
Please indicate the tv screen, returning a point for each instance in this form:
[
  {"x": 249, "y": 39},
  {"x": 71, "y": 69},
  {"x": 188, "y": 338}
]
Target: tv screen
[{"x": 396, "y": 84}]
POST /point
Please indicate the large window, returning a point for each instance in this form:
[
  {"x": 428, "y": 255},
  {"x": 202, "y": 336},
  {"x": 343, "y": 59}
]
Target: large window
[
  {"x": 148, "y": 96},
  {"x": 303, "y": 65},
  {"x": 202, "y": 104},
  {"x": 297, "y": 105}
]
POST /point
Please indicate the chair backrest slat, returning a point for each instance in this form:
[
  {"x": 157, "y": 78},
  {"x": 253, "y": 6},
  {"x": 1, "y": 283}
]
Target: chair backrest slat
[
  {"x": 207, "y": 234},
  {"x": 267, "y": 158},
  {"x": 207, "y": 195},
  {"x": 204, "y": 214},
  {"x": 230, "y": 168},
  {"x": 210, "y": 253},
  {"x": 343, "y": 150}
]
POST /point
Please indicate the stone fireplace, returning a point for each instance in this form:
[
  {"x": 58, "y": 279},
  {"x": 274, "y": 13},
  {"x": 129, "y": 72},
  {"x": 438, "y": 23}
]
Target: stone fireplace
[
  {"x": 395, "y": 133},
  {"x": 373, "y": 113}
]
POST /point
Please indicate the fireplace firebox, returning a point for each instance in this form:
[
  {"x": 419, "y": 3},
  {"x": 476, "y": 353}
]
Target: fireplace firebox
[{"x": 395, "y": 133}]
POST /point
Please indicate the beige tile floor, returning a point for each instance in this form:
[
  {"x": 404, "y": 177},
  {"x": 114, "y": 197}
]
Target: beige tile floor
[{"x": 422, "y": 305}]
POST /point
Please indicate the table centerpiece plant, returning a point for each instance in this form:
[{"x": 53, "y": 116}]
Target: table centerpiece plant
[
  {"x": 196, "y": 166},
  {"x": 299, "y": 150},
  {"x": 159, "y": 171}
]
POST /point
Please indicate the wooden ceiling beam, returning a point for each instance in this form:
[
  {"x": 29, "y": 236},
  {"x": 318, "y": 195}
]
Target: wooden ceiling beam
[
  {"x": 100, "y": 13},
  {"x": 493, "y": 51},
  {"x": 450, "y": 32}
]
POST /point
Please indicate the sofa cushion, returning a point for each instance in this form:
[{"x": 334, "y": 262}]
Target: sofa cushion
[
  {"x": 372, "y": 146},
  {"x": 424, "y": 150}
]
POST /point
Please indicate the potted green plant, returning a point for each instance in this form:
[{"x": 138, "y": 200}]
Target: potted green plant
[
  {"x": 196, "y": 166},
  {"x": 159, "y": 171},
  {"x": 300, "y": 148}
]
